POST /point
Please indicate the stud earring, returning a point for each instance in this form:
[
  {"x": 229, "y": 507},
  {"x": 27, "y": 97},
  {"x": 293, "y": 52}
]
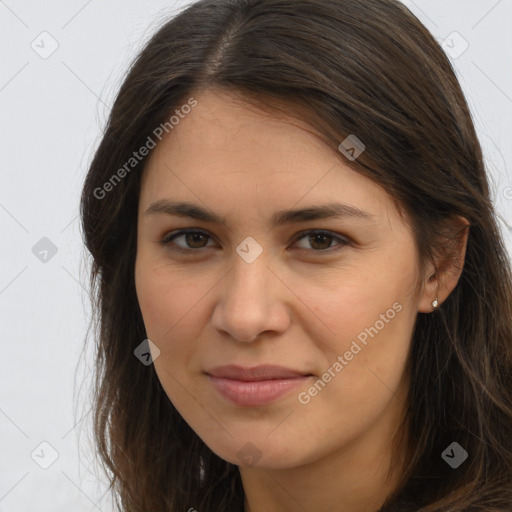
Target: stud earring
[{"x": 435, "y": 303}]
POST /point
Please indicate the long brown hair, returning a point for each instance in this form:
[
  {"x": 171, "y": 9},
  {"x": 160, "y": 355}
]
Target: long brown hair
[{"x": 364, "y": 67}]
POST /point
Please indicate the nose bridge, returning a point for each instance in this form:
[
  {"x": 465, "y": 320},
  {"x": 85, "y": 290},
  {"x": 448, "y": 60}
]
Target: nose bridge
[
  {"x": 250, "y": 275},
  {"x": 249, "y": 304}
]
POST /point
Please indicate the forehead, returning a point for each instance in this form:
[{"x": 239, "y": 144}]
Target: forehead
[
  {"x": 228, "y": 152},
  {"x": 224, "y": 124}
]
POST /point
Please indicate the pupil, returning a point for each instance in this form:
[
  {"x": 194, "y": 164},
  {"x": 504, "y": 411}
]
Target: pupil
[
  {"x": 322, "y": 236},
  {"x": 195, "y": 238}
]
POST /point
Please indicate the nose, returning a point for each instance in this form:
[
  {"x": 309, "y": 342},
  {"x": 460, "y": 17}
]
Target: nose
[{"x": 252, "y": 301}]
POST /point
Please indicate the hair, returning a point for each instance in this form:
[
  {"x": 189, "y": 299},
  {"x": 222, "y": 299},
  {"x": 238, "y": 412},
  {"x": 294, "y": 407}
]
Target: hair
[{"x": 363, "y": 67}]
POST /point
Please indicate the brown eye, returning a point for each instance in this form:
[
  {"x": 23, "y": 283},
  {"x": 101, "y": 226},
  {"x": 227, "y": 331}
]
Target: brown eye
[
  {"x": 321, "y": 241},
  {"x": 192, "y": 240}
]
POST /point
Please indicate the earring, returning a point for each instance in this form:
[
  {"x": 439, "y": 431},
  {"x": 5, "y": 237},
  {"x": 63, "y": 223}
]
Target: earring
[{"x": 435, "y": 303}]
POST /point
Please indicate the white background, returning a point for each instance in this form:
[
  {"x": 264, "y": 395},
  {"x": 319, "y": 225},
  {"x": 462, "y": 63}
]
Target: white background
[{"x": 52, "y": 113}]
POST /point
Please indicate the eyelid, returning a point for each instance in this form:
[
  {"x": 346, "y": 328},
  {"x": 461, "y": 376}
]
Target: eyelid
[
  {"x": 167, "y": 239},
  {"x": 342, "y": 240}
]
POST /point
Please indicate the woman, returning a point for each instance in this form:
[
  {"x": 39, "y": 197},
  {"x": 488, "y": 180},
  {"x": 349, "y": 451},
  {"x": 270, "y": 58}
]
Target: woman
[{"x": 304, "y": 302}]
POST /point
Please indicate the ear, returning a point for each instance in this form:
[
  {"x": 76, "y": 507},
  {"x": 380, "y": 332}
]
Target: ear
[{"x": 442, "y": 275}]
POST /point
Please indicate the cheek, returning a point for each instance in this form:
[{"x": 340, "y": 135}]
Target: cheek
[
  {"x": 373, "y": 350},
  {"x": 164, "y": 298},
  {"x": 371, "y": 316},
  {"x": 167, "y": 305}
]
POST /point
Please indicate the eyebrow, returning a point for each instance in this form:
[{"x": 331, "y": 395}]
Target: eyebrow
[{"x": 282, "y": 217}]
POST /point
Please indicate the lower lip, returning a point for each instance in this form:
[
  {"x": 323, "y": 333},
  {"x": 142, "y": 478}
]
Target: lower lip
[{"x": 255, "y": 392}]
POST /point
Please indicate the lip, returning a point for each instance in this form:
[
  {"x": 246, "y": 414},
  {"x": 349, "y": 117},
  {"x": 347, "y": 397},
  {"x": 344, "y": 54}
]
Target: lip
[{"x": 260, "y": 385}]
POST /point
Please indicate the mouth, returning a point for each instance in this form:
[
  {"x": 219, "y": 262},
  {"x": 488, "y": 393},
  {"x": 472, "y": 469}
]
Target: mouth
[{"x": 256, "y": 386}]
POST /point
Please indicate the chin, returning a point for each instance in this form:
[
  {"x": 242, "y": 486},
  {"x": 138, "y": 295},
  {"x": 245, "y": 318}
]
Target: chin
[{"x": 259, "y": 452}]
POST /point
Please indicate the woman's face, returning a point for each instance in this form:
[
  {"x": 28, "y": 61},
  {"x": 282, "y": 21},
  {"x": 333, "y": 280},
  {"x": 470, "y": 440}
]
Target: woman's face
[{"x": 335, "y": 310}]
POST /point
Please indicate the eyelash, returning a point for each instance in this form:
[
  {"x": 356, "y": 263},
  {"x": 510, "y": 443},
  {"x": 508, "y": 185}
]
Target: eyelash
[{"x": 168, "y": 240}]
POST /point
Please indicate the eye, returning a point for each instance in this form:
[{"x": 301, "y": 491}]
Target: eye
[
  {"x": 322, "y": 240},
  {"x": 196, "y": 239}
]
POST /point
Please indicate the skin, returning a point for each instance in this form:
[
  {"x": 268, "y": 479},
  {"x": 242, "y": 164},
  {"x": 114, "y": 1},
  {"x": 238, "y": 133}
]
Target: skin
[{"x": 298, "y": 309}]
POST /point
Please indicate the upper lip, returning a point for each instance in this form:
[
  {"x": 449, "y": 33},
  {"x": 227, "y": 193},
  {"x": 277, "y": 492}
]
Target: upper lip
[{"x": 265, "y": 372}]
